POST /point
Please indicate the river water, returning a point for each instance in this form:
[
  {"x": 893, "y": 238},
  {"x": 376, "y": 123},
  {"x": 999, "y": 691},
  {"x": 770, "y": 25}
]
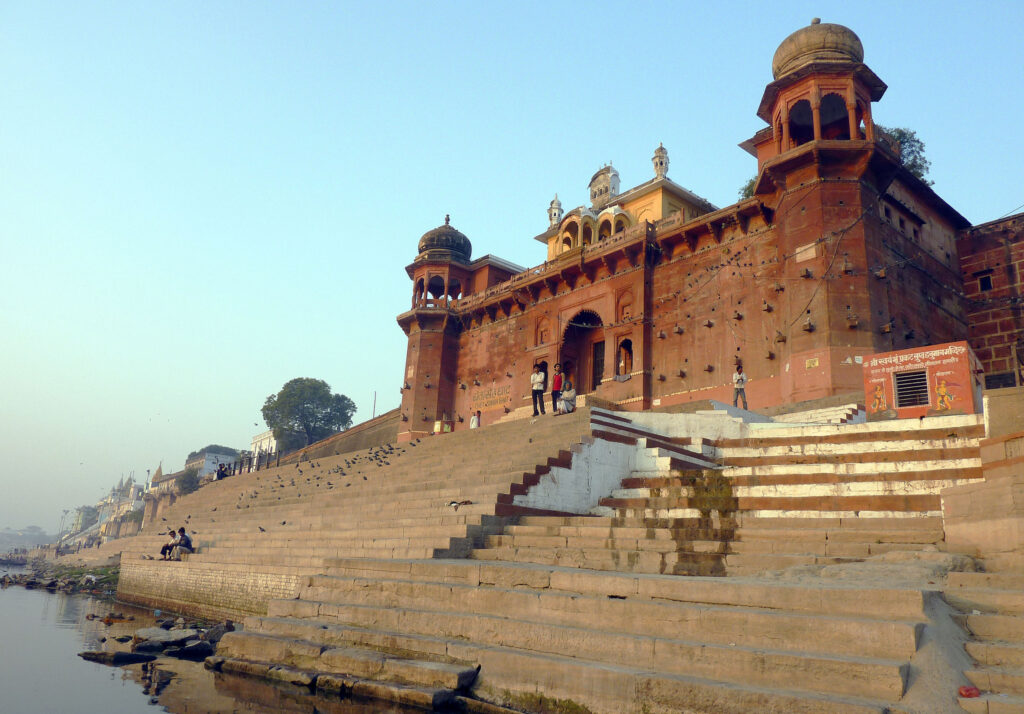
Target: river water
[{"x": 41, "y": 634}]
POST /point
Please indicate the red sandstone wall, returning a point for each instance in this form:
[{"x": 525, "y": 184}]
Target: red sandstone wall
[{"x": 992, "y": 262}]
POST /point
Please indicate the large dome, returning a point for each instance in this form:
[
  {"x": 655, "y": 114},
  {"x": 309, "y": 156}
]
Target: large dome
[
  {"x": 817, "y": 43},
  {"x": 445, "y": 242}
]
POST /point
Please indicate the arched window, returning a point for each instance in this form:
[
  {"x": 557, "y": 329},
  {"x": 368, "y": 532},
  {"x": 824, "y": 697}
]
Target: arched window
[
  {"x": 624, "y": 361},
  {"x": 625, "y": 308},
  {"x": 417, "y": 293},
  {"x": 605, "y": 229},
  {"x": 454, "y": 289},
  {"x": 570, "y": 237},
  {"x": 801, "y": 123},
  {"x": 435, "y": 286},
  {"x": 620, "y": 225},
  {"x": 835, "y": 120},
  {"x": 588, "y": 234}
]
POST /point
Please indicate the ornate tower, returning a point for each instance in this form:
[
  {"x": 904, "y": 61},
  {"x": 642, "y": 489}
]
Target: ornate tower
[
  {"x": 660, "y": 161},
  {"x": 554, "y": 212},
  {"x": 822, "y": 91},
  {"x": 439, "y": 274},
  {"x": 604, "y": 186},
  {"x": 830, "y": 185}
]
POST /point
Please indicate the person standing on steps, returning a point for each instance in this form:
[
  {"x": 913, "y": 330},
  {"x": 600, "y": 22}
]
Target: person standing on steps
[
  {"x": 474, "y": 421},
  {"x": 556, "y": 390},
  {"x": 537, "y": 386},
  {"x": 739, "y": 386}
]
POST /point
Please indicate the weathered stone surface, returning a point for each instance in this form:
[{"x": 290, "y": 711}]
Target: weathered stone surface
[
  {"x": 117, "y": 659},
  {"x": 193, "y": 650},
  {"x": 168, "y": 638},
  {"x": 148, "y": 646}
]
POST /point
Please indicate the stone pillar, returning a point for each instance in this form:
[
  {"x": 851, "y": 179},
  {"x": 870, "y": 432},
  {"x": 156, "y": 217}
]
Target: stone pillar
[{"x": 851, "y": 113}]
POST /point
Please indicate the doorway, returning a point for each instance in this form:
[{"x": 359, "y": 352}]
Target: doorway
[{"x": 582, "y": 351}]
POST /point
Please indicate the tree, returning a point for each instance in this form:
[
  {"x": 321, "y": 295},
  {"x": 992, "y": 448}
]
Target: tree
[
  {"x": 187, "y": 481},
  {"x": 747, "y": 189},
  {"x": 305, "y": 411},
  {"x": 911, "y": 151},
  {"x": 90, "y": 514},
  {"x": 212, "y": 449}
]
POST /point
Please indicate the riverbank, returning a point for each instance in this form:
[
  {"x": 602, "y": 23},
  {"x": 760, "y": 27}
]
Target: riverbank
[
  {"x": 45, "y": 674},
  {"x": 68, "y": 579}
]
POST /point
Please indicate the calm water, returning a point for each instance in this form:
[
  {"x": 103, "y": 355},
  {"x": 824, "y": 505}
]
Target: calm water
[{"x": 40, "y": 671}]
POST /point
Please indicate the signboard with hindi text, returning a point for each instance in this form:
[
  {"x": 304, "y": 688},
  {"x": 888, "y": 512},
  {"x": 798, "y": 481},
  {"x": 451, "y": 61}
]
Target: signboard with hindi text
[{"x": 923, "y": 381}]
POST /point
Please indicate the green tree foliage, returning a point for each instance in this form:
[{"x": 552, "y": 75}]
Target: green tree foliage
[
  {"x": 911, "y": 150},
  {"x": 747, "y": 189},
  {"x": 305, "y": 411},
  {"x": 90, "y": 514},
  {"x": 188, "y": 481},
  {"x": 212, "y": 449}
]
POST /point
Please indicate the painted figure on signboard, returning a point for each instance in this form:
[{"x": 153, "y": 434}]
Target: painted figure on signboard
[
  {"x": 878, "y": 402},
  {"x": 944, "y": 398}
]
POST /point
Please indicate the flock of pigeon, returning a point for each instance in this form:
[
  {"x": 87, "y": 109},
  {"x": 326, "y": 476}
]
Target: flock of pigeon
[{"x": 310, "y": 474}]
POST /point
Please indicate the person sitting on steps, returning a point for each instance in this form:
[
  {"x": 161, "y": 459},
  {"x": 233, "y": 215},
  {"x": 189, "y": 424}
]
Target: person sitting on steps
[
  {"x": 568, "y": 397},
  {"x": 184, "y": 545},
  {"x": 166, "y": 548}
]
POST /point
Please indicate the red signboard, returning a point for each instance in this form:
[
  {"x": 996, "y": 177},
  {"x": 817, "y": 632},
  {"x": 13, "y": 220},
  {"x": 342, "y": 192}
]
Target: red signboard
[{"x": 924, "y": 381}]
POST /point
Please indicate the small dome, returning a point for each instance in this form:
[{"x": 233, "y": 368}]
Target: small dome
[
  {"x": 445, "y": 242},
  {"x": 817, "y": 43}
]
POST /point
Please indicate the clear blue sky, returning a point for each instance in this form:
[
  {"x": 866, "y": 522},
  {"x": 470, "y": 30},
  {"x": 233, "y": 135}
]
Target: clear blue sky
[{"x": 202, "y": 200}]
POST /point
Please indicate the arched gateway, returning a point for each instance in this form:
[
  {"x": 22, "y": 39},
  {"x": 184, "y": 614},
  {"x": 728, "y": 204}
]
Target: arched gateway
[{"x": 582, "y": 350}]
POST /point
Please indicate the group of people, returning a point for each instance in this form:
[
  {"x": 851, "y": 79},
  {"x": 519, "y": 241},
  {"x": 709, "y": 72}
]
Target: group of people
[
  {"x": 180, "y": 543},
  {"x": 563, "y": 392}
]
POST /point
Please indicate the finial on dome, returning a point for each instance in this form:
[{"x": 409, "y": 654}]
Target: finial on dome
[
  {"x": 818, "y": 43},
  {"x": 447, "y": 219}
]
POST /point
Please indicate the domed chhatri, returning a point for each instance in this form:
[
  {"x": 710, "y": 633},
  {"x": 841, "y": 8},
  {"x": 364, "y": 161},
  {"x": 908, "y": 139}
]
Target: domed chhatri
[
  {"x": 817, "y": 42},
  {"x": 446, "y": 238}
]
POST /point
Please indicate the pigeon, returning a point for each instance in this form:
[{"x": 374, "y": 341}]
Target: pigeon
[
  {"x": 455, "y": 504},
  {"x": 262, "y": 529},
  {"x": 283, "y": 522}
]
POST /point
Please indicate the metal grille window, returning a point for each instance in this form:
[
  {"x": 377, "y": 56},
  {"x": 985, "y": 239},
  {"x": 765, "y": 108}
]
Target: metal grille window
[
  {"x": 998, "y": 381},
  {"x": 911, "y": 389}
]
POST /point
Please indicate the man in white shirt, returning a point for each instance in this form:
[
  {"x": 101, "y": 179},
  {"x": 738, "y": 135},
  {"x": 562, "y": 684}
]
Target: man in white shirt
[
  {"x": 474, "y": 421},
  {"x": 537, "y": 386},
  {"x": 739, "y": 384}
]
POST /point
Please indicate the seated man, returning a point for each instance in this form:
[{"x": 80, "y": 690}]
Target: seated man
[
  {"x": 166, "y": 548},
  {"x": 568, "y": 397},
  {"x": 184, "y": 545}
]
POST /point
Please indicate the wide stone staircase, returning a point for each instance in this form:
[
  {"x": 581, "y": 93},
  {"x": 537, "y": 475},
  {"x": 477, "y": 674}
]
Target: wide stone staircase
[
  {"x": 780, "y": 497},
  {"x": 434, "y": 498},
  {"x": 609, "y": 642},
  {"x": 450, "y": 566}
]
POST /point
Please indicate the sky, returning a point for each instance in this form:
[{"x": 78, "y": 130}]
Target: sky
[{"x": 200, "y": 201}]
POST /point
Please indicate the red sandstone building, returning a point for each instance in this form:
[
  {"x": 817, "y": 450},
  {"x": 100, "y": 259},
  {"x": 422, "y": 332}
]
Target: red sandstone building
[{"x": 650, "y": 297}]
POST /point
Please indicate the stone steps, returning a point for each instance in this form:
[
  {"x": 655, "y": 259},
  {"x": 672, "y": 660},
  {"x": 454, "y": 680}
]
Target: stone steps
[
  {"x": 690, "y": 641},
  {"x": 752, "y": 627},
  {"x": 871, "y": 678},
  {"x": 993, "y": 604},
  {"x": 355, "y": 661}
]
